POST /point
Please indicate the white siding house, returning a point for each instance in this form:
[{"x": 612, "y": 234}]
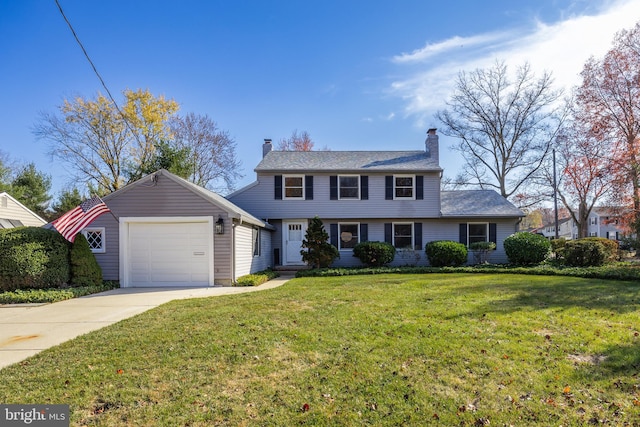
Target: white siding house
[{"x": 15, "y": 214}]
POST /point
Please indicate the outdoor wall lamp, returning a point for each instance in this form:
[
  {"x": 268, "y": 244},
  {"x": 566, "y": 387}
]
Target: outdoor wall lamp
[{"x": 220, "y": 226}]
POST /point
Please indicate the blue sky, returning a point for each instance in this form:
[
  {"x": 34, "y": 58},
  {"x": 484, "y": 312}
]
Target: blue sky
[{"x": 356, "y": 75}]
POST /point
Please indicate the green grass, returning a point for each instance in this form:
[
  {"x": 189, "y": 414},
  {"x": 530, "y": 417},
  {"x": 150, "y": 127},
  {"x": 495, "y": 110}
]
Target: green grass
[{"x": 436, "y": 349}]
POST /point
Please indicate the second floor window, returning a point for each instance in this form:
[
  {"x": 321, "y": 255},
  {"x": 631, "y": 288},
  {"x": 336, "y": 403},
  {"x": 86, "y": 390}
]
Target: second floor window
[
  {"x": 349, "y": 186},
  {"x": 403, "y": 187},
  {"x": 293, "y": 186}
]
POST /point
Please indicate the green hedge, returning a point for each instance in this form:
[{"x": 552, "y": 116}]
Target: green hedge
[
  {"x": 374, "y": 254},
  {"x": 446, "y": 253},
  {"x": 609, "y": 272},
  {"x": 22, "y": 296},
  {"x": 524, "y": 248},
  {"x": 33, "y": 258}
]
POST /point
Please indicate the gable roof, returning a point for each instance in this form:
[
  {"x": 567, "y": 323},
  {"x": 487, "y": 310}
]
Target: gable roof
[
  {"x": 478, "y": 203},
  {"x": 232, "y": 210},
  {"x": 347, "y": 161}
]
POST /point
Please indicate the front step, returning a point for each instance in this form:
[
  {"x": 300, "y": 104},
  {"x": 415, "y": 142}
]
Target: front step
[{"x": 292, "y": 268}]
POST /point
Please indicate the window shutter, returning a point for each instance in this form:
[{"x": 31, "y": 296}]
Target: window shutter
[
  {"x": 419, "y": 187},
  {"x": 463, "y": 234},
  {"x": 388, "y": 187},
  {"x": 417, "y": 239},
  {"x": 388, "y": 231},
  {"x": 364, "y": 232},
  {"x": 277, "y": 186},
  {"x": 333, "y": 230},
  {"x": 308, "y": 187},
  {"x": 493, "y": 232},
  {"x": 364, "y": 188},
  {"x": 333, "y": 187}
]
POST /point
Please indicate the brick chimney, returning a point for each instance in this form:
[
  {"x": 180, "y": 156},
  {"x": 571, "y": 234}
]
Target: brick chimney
[
  {"x": 431, "y": 145},
  {"x": 266, "y": 147}
]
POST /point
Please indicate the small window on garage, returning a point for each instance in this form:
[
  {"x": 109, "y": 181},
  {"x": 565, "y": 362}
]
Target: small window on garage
[
  {"x": 256, "y": 242},
  {"x": 96, "y": 239}
]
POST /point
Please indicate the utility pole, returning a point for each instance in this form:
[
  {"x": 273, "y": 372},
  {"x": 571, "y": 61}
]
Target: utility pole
[{"x": 555, "y": 194}]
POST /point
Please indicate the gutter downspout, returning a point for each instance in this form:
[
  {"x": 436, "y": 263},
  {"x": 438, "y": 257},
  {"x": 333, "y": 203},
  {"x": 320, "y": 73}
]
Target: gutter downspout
[{"x": 233, "y": 253}]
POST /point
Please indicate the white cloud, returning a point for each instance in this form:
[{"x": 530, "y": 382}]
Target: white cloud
[
  {"x": 561, "y": 47},
  {"x": 446, "y": 46}
]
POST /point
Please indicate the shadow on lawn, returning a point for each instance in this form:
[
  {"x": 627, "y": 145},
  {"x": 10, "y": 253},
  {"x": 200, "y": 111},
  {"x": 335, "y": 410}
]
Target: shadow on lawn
[
  {"x": 604, "y": 298},
  {"x": 590, "y": 294}
]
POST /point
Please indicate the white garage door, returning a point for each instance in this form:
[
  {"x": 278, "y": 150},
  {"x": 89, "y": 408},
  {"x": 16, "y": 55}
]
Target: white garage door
[{"x": 169, "y": 254}]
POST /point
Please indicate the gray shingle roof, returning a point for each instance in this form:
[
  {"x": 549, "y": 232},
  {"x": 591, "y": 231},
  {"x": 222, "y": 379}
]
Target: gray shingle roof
[
  {"x": 346, "y": 161},
  {"x": 480, "y": 203}
]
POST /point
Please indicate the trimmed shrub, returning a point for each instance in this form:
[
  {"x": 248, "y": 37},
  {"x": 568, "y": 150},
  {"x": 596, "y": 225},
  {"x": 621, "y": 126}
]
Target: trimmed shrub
[
  {"x": 33, "y": 258},
  {"x": 482, "y": 251},
  {"x": 557, "y": 247},
  {"x": 85, "y": 270},
  {"x": 446, "y": 253},
  {"x": 584, "y": 253},
  {"x": 374, "y": 254},
  {"x": 256, "y": 279},
  {"x": 611, "y": 247},
  {"x": 524, "y": 248}
]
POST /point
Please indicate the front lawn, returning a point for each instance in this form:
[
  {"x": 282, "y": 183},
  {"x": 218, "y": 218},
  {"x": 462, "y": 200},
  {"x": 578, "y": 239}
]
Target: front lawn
[{"x": 436, "y": 349}]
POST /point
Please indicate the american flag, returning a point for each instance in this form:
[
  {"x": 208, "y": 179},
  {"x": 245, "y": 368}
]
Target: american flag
[{"x": 78, "y": 218}]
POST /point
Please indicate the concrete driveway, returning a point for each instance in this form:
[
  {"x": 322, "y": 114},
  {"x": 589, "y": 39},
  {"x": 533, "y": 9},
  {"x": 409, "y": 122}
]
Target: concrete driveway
[{"x": 28, "y": 329}]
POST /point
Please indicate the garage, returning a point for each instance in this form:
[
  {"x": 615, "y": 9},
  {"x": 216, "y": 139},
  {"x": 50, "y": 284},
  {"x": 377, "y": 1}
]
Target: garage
[{"x": 171, "y": 252}]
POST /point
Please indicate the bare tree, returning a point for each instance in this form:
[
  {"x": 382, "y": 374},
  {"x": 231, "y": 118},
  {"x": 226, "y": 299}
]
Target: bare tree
[
  {"x": 212, "y": 152},
  {"x": 505, "y": 126},
  {"x": 585, "y": 167},
  {"x": 296, "y": 142}
]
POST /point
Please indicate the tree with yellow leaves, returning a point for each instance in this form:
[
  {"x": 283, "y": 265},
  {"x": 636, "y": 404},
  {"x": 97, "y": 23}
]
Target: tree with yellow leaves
[{"x": 105, "y": 145}]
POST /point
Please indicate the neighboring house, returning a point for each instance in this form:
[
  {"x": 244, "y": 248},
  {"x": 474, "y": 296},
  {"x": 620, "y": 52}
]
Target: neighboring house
[
  {"x": 15, "y": 214},
  {"x": 166, "y": 231},
  {"x": 565, "y": 229},
  {"x": 602, "y": 222},
  {"x": 391, "y": 196}
]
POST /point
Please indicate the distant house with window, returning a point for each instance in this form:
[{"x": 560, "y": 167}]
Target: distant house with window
[
  {"x": 566, "y": 229},
  {"x": 605, "y": 222},
  {"x": 602, "y": 222},
  {"x": 391, "y": 196},
  {"x": 15, "y": 214}
]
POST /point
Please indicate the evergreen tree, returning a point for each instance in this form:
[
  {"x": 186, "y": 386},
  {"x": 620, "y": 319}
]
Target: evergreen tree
[{"x": 319, "y": 252}]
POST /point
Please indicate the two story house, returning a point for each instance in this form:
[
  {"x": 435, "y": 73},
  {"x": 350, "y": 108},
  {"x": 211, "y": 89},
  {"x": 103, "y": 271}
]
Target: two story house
[{"x": 391, "y": 196}]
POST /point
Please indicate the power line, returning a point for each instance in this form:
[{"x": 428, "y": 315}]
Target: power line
[{"x": 95, "y": 70}]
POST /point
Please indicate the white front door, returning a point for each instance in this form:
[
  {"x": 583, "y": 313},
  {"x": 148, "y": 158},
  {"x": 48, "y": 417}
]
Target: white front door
[{"x": 294, "y": 233}]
